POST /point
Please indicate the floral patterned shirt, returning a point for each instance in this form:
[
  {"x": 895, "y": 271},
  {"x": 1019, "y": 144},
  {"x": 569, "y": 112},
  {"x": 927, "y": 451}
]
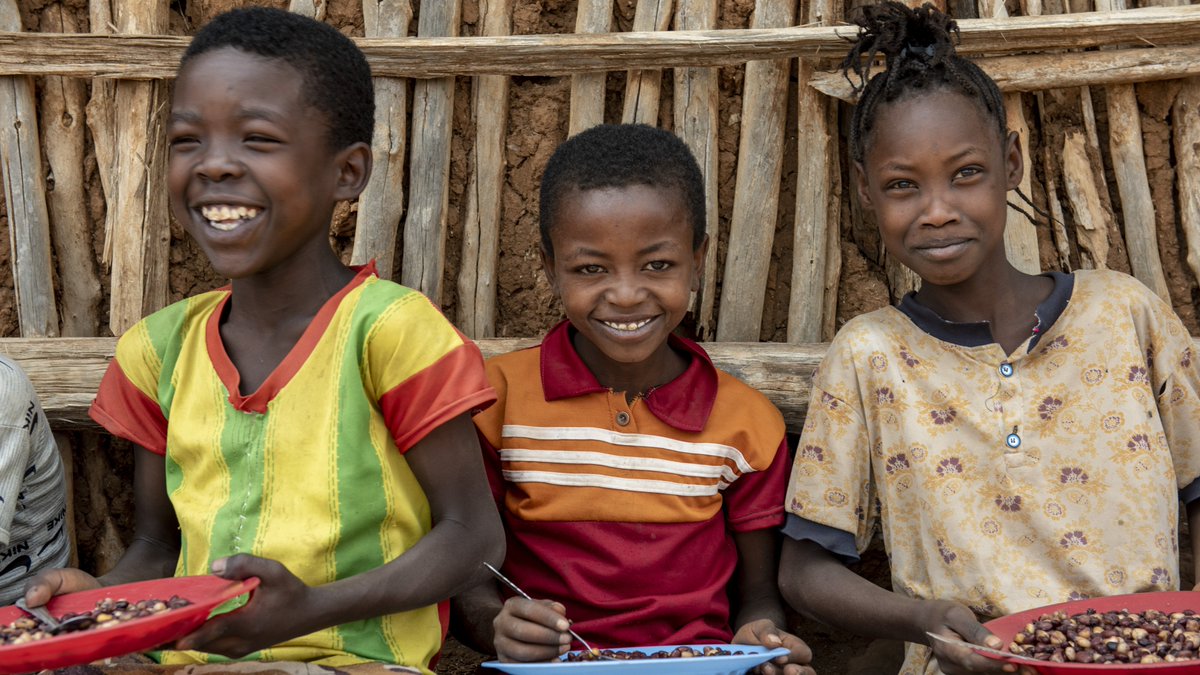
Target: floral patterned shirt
[{"x": 1007, "y": 482}]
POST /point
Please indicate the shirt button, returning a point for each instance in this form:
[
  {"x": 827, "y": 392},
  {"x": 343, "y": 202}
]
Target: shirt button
[
  {"x": 1013, "y": 441},
  {"x": 622, "y": 418},
  {"x": 1006, "y": 369}
]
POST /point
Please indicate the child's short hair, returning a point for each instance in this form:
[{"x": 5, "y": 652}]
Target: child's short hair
[
  {"x": 920, "y": 57},
  {"x": 337, "y": 79},
  {"x": 617, "y": 156}
]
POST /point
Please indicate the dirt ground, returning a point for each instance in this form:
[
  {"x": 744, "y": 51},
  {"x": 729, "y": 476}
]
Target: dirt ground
[{"x": 539, "y": 108}]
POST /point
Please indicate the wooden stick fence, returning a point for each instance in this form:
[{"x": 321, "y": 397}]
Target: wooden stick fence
[{"x": 1024, "y": 54}]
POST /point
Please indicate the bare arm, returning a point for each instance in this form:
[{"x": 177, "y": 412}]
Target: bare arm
[
  {"x": 817, "y": 585},
  {"x": 154, "y": 551},
  {"x": 473, "y": 612},
  {"x": 1193, "y": 516},
  {"x": 760, "y": 614},
  {"x": 466, "y": 532}
]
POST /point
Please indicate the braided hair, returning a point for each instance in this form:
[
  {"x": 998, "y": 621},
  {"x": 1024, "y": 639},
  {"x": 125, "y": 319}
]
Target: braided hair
[{"x": 919, "y": 54}]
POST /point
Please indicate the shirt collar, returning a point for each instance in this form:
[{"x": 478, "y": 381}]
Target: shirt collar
[
  {"x": 684, "y": 403},
  {"x": 979, "y": 333}
]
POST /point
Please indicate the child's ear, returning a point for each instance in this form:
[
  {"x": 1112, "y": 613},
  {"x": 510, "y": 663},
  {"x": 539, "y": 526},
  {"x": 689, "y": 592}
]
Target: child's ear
[
  {"x": 1014, "y": 161},
  {"x": 698, "y": 263},
  {"x": 860, "y": 184},
  {"x": 354, "y": 170}
]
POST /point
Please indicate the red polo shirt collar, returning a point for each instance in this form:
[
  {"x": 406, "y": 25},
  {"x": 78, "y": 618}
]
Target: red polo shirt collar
[{"x": 685, "y": 402}]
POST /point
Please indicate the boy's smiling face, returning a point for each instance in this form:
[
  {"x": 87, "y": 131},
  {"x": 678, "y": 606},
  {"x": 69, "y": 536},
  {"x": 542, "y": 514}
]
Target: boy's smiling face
[
  {"x": 624, "y": 267},
  {"x": 251, "y": 174}
]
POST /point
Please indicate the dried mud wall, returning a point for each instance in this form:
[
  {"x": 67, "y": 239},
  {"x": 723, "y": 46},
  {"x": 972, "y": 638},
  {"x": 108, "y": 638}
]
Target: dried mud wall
[{"x": 539, "y": 109}]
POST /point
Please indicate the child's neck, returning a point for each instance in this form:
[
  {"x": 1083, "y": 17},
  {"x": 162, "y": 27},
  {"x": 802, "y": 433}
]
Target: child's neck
[
  {"x": 634, "y": 379},
  {"x": 1007, "y": 301}
]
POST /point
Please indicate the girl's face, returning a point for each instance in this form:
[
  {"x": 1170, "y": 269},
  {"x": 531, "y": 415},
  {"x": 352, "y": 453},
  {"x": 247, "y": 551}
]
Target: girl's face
[{"x": 937, "y": 178}]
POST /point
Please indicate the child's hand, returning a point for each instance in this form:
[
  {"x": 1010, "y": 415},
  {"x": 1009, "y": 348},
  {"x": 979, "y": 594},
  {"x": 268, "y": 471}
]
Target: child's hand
[
  {"x": 531, "y": 630},
  {"x": 277, "y": 611},
  {"x": 50, "y": 583},
  {"x": 957, "y": 622},
  {"x": 764, "y": 632}
]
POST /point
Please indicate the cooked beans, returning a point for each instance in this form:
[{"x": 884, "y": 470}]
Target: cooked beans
[{"x": 1111, "y": 637}]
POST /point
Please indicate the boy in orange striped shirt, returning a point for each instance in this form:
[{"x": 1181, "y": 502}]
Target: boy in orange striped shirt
[{"x": 641, "y": 488}]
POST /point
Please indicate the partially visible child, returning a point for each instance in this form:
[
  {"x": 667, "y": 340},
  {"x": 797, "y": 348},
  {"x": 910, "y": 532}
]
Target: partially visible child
[
  {"x": 309, "y": 424},
  {"x": 1020, "y": 439},
  {"x": 33, "y": 488},
  {"x": 641, "y": 487}
]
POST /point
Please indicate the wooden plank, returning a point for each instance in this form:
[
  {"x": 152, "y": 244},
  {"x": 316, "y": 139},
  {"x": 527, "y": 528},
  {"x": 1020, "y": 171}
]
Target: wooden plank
[
  {"x": 138, "y": 209},
  {"x": 1091, "y": 218},
  {"x": 642, "y": 87},
  {"x": 1020, "y": 235},
  {"x": 756, "y": 201},
  {"x": 1062, "y": 246},
  {"x": 150, "y": 56},
  {"x": 429, "y": 169},
  {"x": 25, "y": 197},
  {"x": 63, "y": 116},
  {"x": 381, "y": 204},
  {"x": 477, "y": 277},
  {"x": 587, "y": 91},
  {"x": 696, "y": 122},
  {"x": 1185, "y": 115},
  {"x": 1038, "y": 72},
  {"x": 1137, "y": 206}
]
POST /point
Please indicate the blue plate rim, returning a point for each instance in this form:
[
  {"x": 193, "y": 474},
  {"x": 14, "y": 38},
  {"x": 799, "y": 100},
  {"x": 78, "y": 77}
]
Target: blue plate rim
[{"x": 752, "y": 651}]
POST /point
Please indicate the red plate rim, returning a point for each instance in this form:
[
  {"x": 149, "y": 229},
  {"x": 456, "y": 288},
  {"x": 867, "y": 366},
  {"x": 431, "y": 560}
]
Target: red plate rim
[
  {"x": 136, "y": 635},
  {"x": 1006, "y": 627}
]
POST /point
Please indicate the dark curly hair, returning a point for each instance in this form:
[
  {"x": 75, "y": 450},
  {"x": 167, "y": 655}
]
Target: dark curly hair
[
  {"x": 918, "y": 47},
  {"x": 337, "y": 79},
  {"x": 617, "y": 156}
]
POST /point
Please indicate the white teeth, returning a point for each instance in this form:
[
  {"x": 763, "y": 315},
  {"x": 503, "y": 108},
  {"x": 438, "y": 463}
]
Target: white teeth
[
  {"x": 225, "y": 217},
  {"x": 627, "y": 326}
]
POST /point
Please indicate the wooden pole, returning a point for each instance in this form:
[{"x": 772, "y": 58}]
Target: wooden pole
[
  {"x": 1062, "y": 246},
  {"x": 587, "y": 91},
  {"x": 381, "y": 204},
  {"x": 1185, "y": 115},
  {"x": 429, "y": 169},
  {"x": 64, "y": 102},
  {"x": 1020, "y": 235},
  {"x": 141, "y": 238},
  {"x": 25, "y": 196},
  {"x": 642, "y": 87},
  {"x": 696, "y": 122},
  {"x": 810, "y": 246},
  {"x": 1091, "y": 218},
  {"x": 313, "y": 9},
  {"x": 1137, "y": 206},
  {"x": 101, "y": 120},
  {"x": 481, "y": 227},
  {"x": 756, "y": 201}
]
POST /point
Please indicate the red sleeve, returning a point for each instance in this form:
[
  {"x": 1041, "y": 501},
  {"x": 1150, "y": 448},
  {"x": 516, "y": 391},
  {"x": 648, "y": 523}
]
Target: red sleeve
[
  {"x": 127, "y": 413},
  {"x": 455, "y": 384},
  {"x": 755, "y": 500}
]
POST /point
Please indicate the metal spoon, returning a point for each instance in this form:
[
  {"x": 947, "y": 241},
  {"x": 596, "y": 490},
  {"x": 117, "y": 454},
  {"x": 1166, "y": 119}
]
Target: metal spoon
[
  {"x": 42, "y": 614},
  {"x": 517, "y": 589}
]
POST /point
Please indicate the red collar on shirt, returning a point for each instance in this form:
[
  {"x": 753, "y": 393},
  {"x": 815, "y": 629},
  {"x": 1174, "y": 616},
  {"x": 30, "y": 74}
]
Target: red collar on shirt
[
  {"x": 685, "y": 402},
  {"x": 257, "y": 401}
]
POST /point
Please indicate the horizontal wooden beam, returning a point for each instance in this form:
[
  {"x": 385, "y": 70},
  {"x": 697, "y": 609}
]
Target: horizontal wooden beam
[
  {"x": 66, "y": 371},
  {"x": 1038, "y": 72},
  {"x": 156, "y": 56}
]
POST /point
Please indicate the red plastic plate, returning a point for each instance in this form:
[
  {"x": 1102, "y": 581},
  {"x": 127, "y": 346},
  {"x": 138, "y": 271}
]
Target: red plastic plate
[
  {"x": 1007, "y": 627},
  {"x": 135, "y": 635}
]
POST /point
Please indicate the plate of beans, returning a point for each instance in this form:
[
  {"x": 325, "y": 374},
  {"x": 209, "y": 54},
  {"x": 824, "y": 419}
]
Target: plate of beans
[{"x": 1133, "y": 633}]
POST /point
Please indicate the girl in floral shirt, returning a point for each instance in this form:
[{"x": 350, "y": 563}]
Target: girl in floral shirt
[{"x": 1019, "y": 439}]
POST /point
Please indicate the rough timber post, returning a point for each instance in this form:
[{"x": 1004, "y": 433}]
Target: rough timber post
[
  {"x": 642, "y": 87},
  {"x": 433, "y": 112},
  {"x": 381, "y": 205},
  {"x": 587, "y": 90},
  {"x": 756, "y": 202},
  {"x": 696, "y": 122},
  {"x": 25, "y": 196},
  {"x": 481, "y": 227},
  {"x": 138, "y": 210},
  {"x": 1186, "y": 116}
]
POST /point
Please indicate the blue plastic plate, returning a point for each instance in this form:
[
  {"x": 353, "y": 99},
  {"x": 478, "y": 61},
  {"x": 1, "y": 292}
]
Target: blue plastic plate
[{"x": 699, "y": 665}]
